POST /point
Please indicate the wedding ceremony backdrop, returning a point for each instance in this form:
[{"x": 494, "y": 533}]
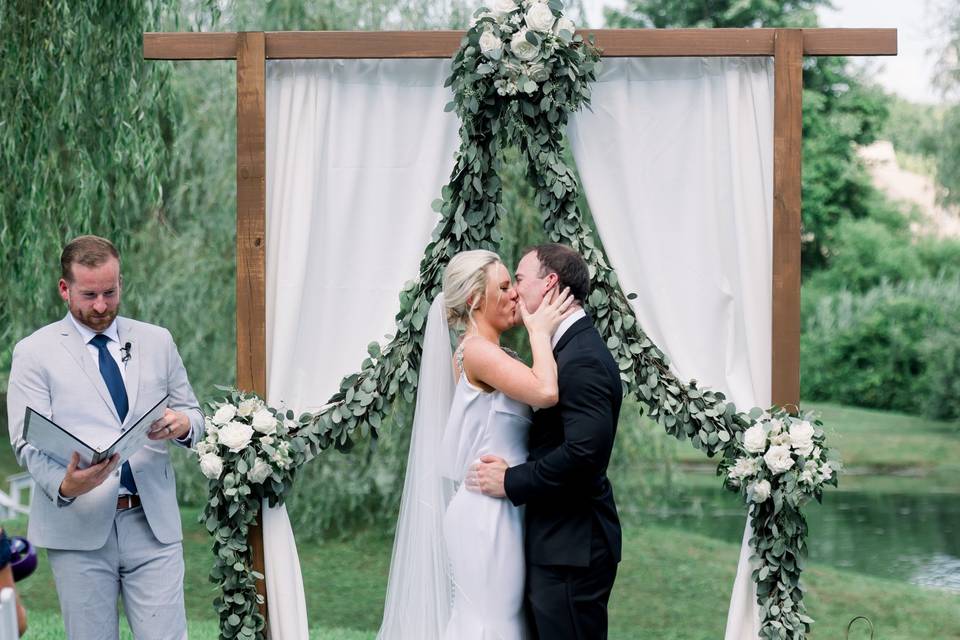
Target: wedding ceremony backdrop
[{"x": 298, "y": 267}]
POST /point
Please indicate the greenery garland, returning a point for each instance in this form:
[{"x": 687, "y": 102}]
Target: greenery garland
[{"x": 519, "y": 73}]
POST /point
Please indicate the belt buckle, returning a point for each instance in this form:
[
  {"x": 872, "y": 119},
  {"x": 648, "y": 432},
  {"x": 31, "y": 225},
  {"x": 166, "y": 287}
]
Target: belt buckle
[{"x": 129, "y": 500}]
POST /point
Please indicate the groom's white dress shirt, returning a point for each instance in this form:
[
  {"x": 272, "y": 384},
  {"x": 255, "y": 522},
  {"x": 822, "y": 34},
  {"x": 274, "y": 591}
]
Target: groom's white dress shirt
[{"x": 566, "y": 324}]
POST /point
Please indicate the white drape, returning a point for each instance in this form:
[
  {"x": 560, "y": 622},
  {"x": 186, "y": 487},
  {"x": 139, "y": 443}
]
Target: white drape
[
  {"x": 676, "y": 160},
  {"x": 356, "y": 152}
]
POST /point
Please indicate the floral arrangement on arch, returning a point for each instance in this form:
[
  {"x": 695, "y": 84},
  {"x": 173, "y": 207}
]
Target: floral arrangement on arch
[
  {"x": 518, "y": 41},
  {"x": 778, "y": 464},
  {"x": 782, "y": 457},
  {"x": 249, "y": 454}
]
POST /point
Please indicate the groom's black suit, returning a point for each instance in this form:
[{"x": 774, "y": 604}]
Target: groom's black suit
[{"x": 572, "y": 540}]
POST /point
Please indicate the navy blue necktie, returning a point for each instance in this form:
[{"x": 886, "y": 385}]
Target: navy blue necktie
[{"x": 111, "y": 376}]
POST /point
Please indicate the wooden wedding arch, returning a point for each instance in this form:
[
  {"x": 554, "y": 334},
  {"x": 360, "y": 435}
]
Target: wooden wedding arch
[{"x": 251, "y": 50}]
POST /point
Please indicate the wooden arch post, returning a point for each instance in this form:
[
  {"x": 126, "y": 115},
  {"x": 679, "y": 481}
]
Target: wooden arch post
[{"x": 251, "y": 50}]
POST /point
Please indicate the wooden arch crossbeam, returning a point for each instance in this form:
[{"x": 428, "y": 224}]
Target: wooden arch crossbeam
[{"x": 251, "y": 50}]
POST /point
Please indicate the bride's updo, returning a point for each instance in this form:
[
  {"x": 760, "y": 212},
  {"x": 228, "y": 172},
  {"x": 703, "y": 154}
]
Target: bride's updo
[{"x": 466, "y": 278}]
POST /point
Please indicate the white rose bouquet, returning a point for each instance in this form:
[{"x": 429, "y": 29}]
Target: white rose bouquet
[
  {"x": 776, "y": 464},
  {"x": 780, "y": 457},
  {"x": 521, "y": 44},
  {"x": 248, "y": 445}
]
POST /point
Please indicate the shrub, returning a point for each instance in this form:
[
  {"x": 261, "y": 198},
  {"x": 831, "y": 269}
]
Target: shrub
[
  {"x": 866, "y": 253},
  {"x": 893, "y": 347}
]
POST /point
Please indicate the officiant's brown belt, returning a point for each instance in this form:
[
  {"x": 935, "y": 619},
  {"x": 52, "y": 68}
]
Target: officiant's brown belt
[{"x": 127, "y": 502}]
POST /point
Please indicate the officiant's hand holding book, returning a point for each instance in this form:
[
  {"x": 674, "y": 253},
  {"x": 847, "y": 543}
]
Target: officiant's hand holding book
[{"x": 63, "y": 445}]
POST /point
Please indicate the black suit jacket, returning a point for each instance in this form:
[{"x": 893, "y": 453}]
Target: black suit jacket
[{"x": 564, "y": 483}]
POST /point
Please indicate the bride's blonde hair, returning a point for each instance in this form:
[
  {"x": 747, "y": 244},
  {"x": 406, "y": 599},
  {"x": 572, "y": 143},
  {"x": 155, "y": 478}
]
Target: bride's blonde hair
[{"x": 464, "y": 284}]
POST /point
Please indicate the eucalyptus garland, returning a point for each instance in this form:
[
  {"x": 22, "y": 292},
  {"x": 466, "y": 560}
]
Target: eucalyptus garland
[{"x": 520, "y": 71}]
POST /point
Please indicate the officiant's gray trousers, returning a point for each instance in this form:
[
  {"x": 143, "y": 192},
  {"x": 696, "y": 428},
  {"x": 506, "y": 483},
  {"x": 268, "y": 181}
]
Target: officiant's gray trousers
[{"x": 132, "y": 564}]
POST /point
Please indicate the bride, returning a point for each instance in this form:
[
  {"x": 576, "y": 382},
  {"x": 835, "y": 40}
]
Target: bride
[{"x": 457, "y": 571}]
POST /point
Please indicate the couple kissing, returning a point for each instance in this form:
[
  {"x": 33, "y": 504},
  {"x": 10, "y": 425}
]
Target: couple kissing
[{"x": 508, "y": 529}]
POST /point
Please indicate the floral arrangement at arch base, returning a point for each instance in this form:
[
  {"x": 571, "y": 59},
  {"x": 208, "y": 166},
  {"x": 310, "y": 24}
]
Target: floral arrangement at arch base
[
  {"x": 520, "y": 72},
  {"x": 249, "y": 454},
  {"x": 777, "y": 465}
]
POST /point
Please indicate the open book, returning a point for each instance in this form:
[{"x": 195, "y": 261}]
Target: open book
[{"x": 59, "y": 444}]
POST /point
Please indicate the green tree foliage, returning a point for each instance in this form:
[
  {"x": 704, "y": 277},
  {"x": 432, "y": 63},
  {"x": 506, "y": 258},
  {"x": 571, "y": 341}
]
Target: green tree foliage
[
  {"x": 868, "y": 253},
  {"x": 948, "y": 79},
  {"x": 913, "y": 128},
  {"x": 839, "y": 109},
  {"x": 85, "y": 141}
]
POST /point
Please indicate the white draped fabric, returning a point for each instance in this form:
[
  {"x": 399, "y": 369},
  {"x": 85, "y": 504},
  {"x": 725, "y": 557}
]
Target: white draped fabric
[
  {"x": 676, "y": 160},
  {"x": 356, "y": 152}
]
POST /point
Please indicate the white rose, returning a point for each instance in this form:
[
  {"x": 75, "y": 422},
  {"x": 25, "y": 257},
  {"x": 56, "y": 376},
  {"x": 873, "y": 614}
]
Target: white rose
[
  {"x": 502, "y": 7},
  {"x": 801, "y": 437},
  {"x": 755, "y": 439},
  {"x": 564, "y": 24},
  {"x": 781, "y": 439},
  {"x": 744, "y": 468},
  {"x": 825, "y": 471},
  {"x": 268, "y": 440},
  {"x": 538, "y": 72},
  {"x": 523, "y": 49},
  {"x": 260, "y": 471},
  {"x": 204, "y": 447},
  {"x": 264, "y": 421},
  {"x": 759, "y": 491},
  {"x": 235, "y": 435},
  {"x": 539, "y": 17},
  {"x": 809, "y": 474},
  {"x": 775, "y": 425},
  {"x": 211, "y": 465},
  {"x": 778, "y": 459},
  {"x": 248, "y": 407},
  {"x": 490, "y": 45},
  {"x": 224, "y": 414}
]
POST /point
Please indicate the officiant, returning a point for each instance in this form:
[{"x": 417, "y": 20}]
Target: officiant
[{"x": 112, "y": 531}]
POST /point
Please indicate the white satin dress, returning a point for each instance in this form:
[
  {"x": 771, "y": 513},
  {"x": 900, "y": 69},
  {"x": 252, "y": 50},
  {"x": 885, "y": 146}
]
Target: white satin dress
[{"x": 484, "y": 536}]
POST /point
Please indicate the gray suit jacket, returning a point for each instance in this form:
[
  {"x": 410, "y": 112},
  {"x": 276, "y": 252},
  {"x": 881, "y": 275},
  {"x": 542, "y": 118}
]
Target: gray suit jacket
[{"x": 53, "y": 373}]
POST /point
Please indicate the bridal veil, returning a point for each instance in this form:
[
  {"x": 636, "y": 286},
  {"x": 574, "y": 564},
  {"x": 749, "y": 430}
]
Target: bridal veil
[{"x": 420, "y": 588}]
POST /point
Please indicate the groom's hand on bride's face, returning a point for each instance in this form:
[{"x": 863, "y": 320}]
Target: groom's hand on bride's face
[{"x": 486, "y": 476}]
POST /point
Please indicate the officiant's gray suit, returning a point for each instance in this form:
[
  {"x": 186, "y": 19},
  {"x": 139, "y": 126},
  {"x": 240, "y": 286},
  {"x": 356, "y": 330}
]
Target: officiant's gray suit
[{"x": 53, "y": 374}]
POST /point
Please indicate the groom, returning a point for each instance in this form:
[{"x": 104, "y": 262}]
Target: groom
[{"x": 572, "y": 540}]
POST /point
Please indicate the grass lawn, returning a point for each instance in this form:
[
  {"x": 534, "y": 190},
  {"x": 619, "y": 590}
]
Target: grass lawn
[{"x": 672, "y": 585}]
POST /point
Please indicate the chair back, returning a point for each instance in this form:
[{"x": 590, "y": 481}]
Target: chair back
[{"x": 8, "y": 615}]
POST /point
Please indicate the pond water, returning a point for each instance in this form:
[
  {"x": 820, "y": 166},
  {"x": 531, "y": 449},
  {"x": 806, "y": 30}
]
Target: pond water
[{"x": 908, "y": 537}]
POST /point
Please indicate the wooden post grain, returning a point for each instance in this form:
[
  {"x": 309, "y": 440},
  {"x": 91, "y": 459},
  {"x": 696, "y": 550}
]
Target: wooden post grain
[
  {"x": 787, "y": 158},
  {"x": 251, "y": 237}
]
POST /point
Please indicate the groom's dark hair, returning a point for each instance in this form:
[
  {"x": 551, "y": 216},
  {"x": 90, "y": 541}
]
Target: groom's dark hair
[{"x": 570, "y": 267}]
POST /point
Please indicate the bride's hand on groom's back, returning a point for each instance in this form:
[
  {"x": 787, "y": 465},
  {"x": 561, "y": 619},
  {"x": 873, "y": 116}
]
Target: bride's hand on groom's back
[{"x": 554, "y": 309}]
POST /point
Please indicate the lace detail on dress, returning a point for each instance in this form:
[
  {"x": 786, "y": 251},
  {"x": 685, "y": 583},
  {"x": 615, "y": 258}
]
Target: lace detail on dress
[{"x": 458, "y": 354}]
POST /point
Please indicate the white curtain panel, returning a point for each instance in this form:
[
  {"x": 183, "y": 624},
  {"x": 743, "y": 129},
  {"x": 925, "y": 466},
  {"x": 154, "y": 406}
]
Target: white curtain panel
[
  {"x": 676, "y": 159},
  {"x": 356, "y": 152}
]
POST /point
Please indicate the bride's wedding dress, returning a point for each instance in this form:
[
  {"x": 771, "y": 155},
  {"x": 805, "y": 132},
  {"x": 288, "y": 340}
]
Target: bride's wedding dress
[
  {"x": 483, "y": 535},
  {"x": 457, "y": 571}
]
